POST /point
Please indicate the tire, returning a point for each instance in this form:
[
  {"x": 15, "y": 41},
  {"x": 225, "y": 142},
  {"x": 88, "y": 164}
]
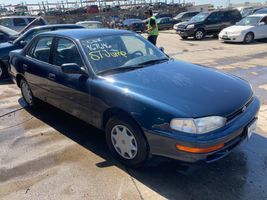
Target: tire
[
  {"x": 119, "y": 133},
  {"x": 3, "y": 71},
  {"x": 199, "y": 34},
  {"x": 27, "y": 94},
  {"x": 249, "y": 38},
  {"x": 184, "y": 37}
]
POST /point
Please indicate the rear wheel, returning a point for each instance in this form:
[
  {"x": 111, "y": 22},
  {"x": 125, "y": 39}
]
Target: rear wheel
[
  {"x": 126, "y": 141},
  {"x": 199, "y": 34},
  {"x": 3, "y": 71},
  {"x": 27, "y": 94},
  {"x": 249, "y": 38}
]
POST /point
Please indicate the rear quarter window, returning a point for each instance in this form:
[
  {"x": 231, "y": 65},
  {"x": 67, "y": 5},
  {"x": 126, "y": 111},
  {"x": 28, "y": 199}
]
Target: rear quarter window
[{"x": 19, "y": 22}]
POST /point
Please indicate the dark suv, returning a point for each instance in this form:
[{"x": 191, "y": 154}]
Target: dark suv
[{"x": 208, "y": 23}]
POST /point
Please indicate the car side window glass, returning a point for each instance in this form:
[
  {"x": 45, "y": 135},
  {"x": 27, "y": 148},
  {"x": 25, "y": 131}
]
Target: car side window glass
[
  {"x": 19, "y": 22},
  {"x": 66, "y": 52},
  {"x": 42, "y": 49},
  {"x": 264, "y": 20},
  {"x": 6, "y": 22},
  {"x": 34, "y": 33}
]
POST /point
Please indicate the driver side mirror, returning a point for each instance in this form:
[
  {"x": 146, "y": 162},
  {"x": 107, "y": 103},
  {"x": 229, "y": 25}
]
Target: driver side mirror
[
  {"x": 162, "y": 49},
  {"x": 261, "y": 23},
  {"x": 72, "y": 68}
]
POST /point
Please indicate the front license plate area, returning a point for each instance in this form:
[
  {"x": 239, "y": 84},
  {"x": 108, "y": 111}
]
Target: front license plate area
[{"x": 251, "y": 128}]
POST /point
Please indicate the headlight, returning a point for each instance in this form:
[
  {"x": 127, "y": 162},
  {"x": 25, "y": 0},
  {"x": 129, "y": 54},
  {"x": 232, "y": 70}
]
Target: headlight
[
  {"x": 190, "y": 26},
  {"x": 199, "y": 125}
]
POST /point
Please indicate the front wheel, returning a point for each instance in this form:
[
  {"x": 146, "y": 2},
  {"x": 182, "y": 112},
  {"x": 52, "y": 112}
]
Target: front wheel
[
  {"x": 126, "y": 141},
  {"x": 249, "y": 37},
  {"x": 199, "y": 34}
]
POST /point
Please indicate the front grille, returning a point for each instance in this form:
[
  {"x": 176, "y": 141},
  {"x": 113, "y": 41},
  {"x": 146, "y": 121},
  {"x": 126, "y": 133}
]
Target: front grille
[
  {"x": 181, "y": 26},
  {"x": 239, "y": 111}
]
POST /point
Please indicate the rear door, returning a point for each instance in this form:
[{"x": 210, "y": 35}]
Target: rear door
[
  {"x": 71, "y": 90},
  {"x": 214, "y": 23},
  {"x": 36, "y": 66}
]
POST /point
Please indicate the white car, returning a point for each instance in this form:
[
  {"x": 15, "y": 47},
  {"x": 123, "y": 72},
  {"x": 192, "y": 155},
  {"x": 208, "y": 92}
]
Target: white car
[{"x": 247, "y": 30}]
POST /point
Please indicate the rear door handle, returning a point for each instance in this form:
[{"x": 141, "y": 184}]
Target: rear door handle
[
  {"x": 52, "y": 76},
  {"x": 25, "y": 67}
]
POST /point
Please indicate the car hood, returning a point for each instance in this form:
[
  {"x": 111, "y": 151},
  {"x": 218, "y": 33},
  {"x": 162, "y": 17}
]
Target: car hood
[
  {"x": 194, "y": 90},
  {"x": 5, "y": 45},
  {"x": 236, "y": 28}
]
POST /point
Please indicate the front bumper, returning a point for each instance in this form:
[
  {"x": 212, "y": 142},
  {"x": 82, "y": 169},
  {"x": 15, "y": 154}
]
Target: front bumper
[
  {"x": 164, "y": 144},
  {"x": 185, "y": 32},
  {"x": 231, "y": 37}
]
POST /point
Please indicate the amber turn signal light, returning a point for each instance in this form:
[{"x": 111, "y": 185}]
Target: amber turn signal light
[{"x": 198, "y": 150}]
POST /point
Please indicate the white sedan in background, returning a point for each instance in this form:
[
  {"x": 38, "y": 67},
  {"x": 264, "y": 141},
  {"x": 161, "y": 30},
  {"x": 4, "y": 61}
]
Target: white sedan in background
[{"x": 247, "y": 30}]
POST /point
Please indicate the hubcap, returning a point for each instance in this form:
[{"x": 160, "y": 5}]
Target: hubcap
[
  {"x": 249, "y": 38},
  {"x": 27, "y": 94},
  {"x": 1, "y": 71},
  {"x": 124, "y": 141},
  {"x": 199, "y": 34}
]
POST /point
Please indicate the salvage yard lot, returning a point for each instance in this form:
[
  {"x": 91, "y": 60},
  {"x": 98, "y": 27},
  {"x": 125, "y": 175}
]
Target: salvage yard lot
[{"x": 61, "y": 157}]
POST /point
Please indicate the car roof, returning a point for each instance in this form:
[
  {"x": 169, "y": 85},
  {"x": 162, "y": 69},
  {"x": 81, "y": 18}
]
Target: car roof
[
  {"x": 56, "y": 25},
  {"x": 89, "y": 22},
  {"x": 258, "y": 15},
  {"x": 7, "y": 17},
  {"x": 85, "y": 33}
]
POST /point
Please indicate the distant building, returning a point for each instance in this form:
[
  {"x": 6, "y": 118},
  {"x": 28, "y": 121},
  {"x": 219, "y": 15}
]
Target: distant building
[{"x": 201, "y": 8}]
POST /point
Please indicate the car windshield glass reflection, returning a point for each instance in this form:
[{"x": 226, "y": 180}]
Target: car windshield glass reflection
[
  {"x": 199, "y": 17},
  {"x": 115, "y": 52},
  {"x": 249, "y": 21}
]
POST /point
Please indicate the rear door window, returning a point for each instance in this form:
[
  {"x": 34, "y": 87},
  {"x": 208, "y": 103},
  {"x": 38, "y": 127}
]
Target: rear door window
[
  {"x": 6, "y": 22},
  {"x": 19, "y": 22},
  {"x": 42, "y": 49}
]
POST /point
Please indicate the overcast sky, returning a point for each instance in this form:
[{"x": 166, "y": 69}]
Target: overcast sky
[{"x": 215, "y": 2}]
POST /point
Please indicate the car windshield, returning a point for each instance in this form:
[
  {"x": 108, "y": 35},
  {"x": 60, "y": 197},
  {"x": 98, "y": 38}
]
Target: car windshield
[
  {"x": 200, "y": 17},
  {"x": 124, "y": 51},
  {"x": 8, "y": 31},
  {"x": 249, "y": 21},
  {"x": 130, "y": 21},
  {"x": 179, "y": 15}
]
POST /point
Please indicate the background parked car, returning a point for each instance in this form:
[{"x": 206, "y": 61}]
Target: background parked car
[
  {"x": 136, "y": 25},
  {"x": 91, "y": 24},
  {"x": 208, "y": 23},
  {"x": 165, "y": 23},
  {"x": 185, "y": 16},
  {"x": 248, "y": 29},
  {"x": 7, "y": 34},
  {"x": 20, "y": 42},
  {"x": 17, "y": 23},
  {"x": 161, "y": 15},
  {"x": 261, "y": 11}
]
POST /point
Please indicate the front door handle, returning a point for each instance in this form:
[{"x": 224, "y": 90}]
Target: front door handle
[{"x": 52, "y": 76}]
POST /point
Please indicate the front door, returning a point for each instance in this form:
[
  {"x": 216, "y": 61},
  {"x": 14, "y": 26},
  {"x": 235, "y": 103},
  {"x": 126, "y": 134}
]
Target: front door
[{"x": 71, "y": 90}]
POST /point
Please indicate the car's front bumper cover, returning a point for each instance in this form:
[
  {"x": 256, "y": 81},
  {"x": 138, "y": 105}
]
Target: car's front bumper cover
[{"x": 163, "y": 144}]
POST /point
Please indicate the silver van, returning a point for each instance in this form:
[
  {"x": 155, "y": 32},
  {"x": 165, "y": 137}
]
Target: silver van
[{"x": 17, "y": 23}]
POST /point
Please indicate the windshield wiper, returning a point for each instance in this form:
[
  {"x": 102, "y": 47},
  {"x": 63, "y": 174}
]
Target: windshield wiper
[
  {"x": 131, "y": 67},
  {"x": 153, "y": 61},
  {"x": 119, "y": 69}
]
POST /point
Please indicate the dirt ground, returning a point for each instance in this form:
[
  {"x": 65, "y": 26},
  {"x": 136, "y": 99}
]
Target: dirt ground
[{"x": 48, "y": 154}]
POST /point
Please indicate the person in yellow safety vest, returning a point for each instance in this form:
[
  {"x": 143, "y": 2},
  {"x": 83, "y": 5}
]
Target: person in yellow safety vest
[{"x": 152, "y": 27}]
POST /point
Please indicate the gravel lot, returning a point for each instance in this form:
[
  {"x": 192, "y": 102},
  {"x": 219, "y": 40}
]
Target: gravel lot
[{"x": 48, "y": 154}]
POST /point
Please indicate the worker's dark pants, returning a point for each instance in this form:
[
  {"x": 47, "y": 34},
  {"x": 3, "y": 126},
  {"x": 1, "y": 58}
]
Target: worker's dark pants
[{"x": 152, "y": 39}]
